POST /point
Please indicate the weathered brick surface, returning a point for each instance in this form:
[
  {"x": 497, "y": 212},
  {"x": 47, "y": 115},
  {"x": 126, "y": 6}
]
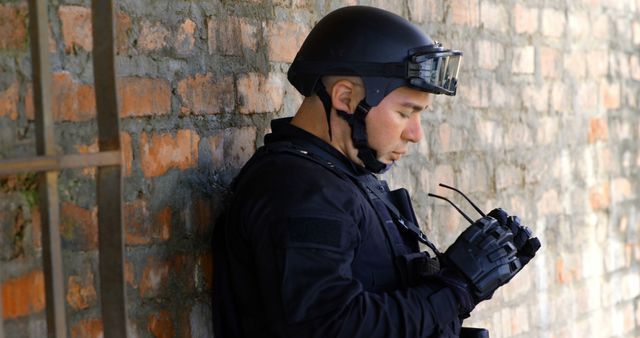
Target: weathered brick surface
[
  {"x": 258, "y": 93},
  {"x": 205, "y": 94},
  {"x": 161, "y": 152},
  {"x": 13, "y": 27},
  {"x": 87, "y": 328},
  {"x": 76, "y": 27},
  {"x": 23, "y": 295},
  {"x": 545, "y": 124},
  {"x": 141, "y": 96},
  {"x": 81, "y": 292}
]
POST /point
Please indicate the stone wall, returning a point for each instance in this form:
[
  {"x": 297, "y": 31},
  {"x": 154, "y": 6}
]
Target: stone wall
[{"x": 545, "y": 124}]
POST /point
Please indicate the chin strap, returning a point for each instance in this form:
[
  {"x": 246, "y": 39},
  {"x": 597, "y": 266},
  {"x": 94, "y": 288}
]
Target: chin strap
[{"x": 358, "y": 131}]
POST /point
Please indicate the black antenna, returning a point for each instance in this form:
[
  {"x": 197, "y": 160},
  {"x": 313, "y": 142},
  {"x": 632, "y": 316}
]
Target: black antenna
[
  {"x": 455, "y": 206},
  {"x": 465, "y": 197}
]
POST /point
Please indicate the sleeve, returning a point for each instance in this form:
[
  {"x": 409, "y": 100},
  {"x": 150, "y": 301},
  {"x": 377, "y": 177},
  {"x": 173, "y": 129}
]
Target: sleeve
[{"x": 321, "y": 298}]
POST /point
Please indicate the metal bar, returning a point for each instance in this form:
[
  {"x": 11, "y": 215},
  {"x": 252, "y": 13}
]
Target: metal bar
[
  {"x": 109, "y": 184},
  {"x": 48, "y": 182},
  {"x": 2, "y": 335},
  {"x": 57, "y": 163}
]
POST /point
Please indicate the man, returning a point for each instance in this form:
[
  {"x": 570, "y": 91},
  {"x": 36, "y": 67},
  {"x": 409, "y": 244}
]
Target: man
[{"x": 312, "y": 243}]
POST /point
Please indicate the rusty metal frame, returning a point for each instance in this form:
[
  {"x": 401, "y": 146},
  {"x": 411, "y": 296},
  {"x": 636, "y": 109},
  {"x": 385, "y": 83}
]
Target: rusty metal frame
[
  {"x": 109, "y": 173},
  {"x": 109, "y": 178}
]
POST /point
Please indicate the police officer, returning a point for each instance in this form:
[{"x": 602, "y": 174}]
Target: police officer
[{"x": 312, "y": 243}]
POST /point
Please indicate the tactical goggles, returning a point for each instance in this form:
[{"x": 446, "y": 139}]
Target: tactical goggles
[
  {"x": 434, "y": 69},
  {"x": 429, "y": 68}
]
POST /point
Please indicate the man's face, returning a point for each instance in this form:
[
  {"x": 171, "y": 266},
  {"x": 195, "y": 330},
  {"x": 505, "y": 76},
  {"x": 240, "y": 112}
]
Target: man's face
[{"x": 395, "y": 122}]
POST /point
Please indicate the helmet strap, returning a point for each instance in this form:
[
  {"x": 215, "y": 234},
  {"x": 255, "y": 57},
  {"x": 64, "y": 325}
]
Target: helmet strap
[
  {"x": 321, "y": 91},
  {"x": 358, "y": 130}
]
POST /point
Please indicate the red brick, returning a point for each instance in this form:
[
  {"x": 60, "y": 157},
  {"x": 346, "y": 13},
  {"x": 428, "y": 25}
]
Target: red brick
[
  {"x": 553, "y": 23},
  {"x": 87, "y": 328},
  {"x": 13, "y": 26},
  {"x": 600, "y": 26},
  {"x": 9, "y": 101},
  {"x": 123, "y": 27},
  {"x": 549, "y": 203},
  {"x": 621, "y": 190},
  {"x": 205, "y": 94},
  {"x": 185, "y": 39},
  {"x": 153, "y": 36},
  {"x": 421, "y": 10},
  {"x": 610, "y": 94},
  {"x": 141, "y": 96},
  {"x": 79, "y": 225},
  {"x": 494, "y": 16},
  {"x": 76, "y": 27},
  {"x": 161, "y": 325},
  {"x": 72, "y": 101},
  {"x": 585, "y": 97},
  {"x": 549, "y": 62},
  {"x": 449, "y": 139},
  {"x": 578, "y": 24},
  {"x": 599, "y": 197},
  {"x": 155, "y": 277},
  {"x": 224, "y": 35},
  {"x": 464, "y": 12},
  {"x": 490, "y": 54},
  {"x": 597, "y": 63},
  {"x": 81, "y": 292},
  {"x": 598, "y": 130},
  {"x": 144, "y": 227},
  {"x": 258, "y": 93},
  {"x": 161, "y": 152},
  {"x": 523, "y": 60},
  {"x": 205, "y": 262},
  {"x": 477, "y": 95},
  {"x": 127, "y": 153},
  {"x": 23, "y": 295},
  {"x": 575, "y": 64},
  {"x": 285, "y": 38},
  {"x": 525, "y": 19},
  {"x": 635, "y": 27}
]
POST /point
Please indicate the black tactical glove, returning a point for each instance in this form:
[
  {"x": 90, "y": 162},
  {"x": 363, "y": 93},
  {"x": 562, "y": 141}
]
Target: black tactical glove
[
  {"x": 481, "y": 259},
  {"x": 523, "y": 239}
]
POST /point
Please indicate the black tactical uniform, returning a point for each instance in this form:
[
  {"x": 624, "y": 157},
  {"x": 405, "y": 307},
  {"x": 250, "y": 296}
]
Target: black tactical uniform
[{"x": 312, "y": 257}]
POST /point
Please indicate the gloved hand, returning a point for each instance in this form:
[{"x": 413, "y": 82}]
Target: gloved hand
[
  {"x": 480, "y": 260},
  {"x": 523, "y": 239}
]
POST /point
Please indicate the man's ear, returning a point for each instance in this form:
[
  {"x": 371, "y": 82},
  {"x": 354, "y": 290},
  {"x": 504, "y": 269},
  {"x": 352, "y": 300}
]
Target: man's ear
[{"x": 343, "y": 96}]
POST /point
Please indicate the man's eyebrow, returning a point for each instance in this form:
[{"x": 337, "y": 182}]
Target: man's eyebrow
[{"x": 414, "y": 106}]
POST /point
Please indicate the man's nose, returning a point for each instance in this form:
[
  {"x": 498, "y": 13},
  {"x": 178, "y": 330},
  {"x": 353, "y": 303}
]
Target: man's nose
[{"x": 413, "y": 131}]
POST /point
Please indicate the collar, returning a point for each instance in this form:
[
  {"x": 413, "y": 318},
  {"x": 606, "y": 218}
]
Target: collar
[{"x": 283, "y": 130}]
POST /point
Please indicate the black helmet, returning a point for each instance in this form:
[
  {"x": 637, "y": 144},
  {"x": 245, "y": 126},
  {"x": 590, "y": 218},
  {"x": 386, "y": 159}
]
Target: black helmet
[{"x": 382, "y": 48}]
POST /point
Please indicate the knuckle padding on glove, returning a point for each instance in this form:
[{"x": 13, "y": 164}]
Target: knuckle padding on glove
[{"x": 485, "y": 255}]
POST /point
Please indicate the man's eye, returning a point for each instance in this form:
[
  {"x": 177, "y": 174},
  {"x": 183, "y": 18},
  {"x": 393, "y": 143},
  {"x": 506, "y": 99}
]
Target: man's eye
[{"x": 404, "y": 114}]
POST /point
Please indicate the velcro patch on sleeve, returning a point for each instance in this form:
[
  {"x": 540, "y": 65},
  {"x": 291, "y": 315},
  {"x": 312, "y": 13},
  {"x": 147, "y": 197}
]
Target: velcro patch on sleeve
[{"x": 315, "y": 230}]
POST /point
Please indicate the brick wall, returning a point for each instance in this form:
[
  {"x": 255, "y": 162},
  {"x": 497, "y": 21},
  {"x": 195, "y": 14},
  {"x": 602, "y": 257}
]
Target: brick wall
[{"x": 545, "y": 124}]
